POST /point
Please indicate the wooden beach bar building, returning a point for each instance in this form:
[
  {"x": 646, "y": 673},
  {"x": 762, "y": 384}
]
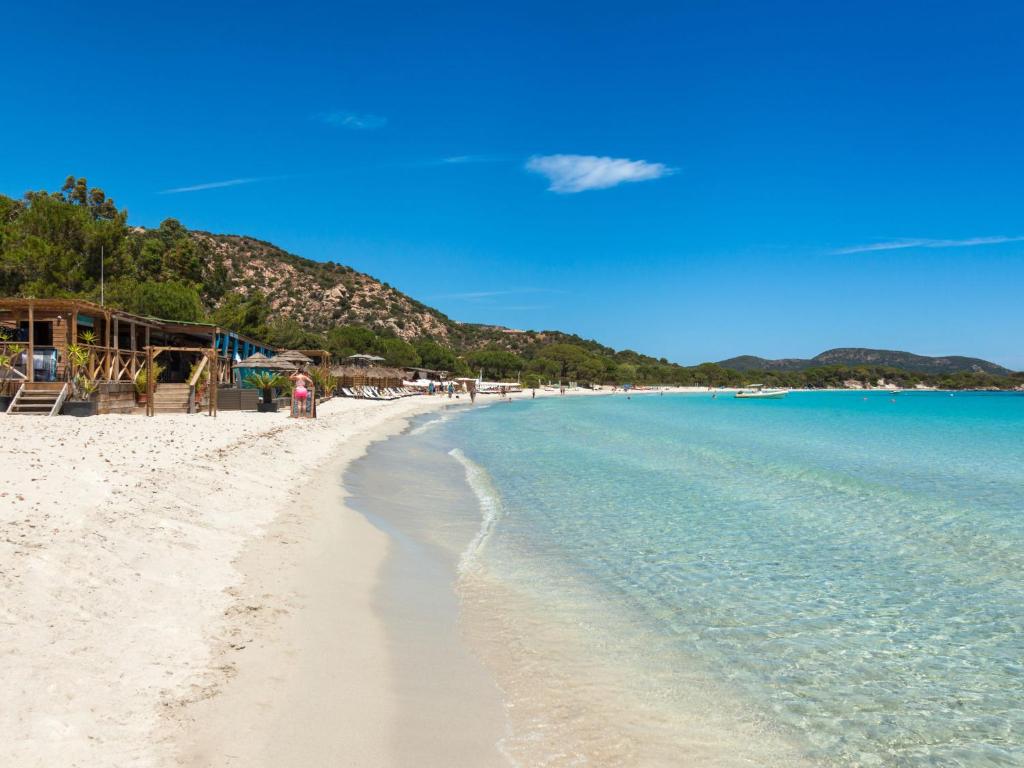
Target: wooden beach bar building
[{"x": 35, "y": 335}]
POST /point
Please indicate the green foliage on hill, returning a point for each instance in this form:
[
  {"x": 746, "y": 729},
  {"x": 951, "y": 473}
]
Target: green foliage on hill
[
  {"x": 859, "y": 356},
  {"x": 52, "y": 245}
]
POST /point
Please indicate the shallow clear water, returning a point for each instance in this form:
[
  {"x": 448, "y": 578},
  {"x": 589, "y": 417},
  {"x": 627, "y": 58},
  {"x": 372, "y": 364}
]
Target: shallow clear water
[{"x": 836, "y": 578}]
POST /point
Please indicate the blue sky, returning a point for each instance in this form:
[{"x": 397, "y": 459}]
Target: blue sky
[{"x": 689, "y": 179}]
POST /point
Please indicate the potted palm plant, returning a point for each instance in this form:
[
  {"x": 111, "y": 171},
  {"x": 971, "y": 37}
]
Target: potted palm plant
[
  {"x": 141, "y": 380},
  {"x": 82, "y": 401},
  {"x": 267, "y": 382},
  {"x": 7, "y": 378}
]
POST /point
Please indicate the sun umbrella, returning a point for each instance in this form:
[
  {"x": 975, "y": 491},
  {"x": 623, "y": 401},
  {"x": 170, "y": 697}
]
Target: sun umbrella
[
  {"x": 262, "y": 362},
  {"x": 294, "y": 356}
]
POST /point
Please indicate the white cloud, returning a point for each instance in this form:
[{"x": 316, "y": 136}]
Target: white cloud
[
  {"x": 459, "y": 160},
  {"x": 921, "y": 242},
  {"x": 353, "y": 120},
  {"x": 577, "y": 173},
  {"x": 463, "y": 159},
  {"x": 486, "y": 295},
  {"x": 211, "y": 185}
]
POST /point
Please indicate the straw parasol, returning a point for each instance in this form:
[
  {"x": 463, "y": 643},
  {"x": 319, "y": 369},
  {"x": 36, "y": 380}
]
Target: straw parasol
[
  {"x": 262, "y": 362},
  {"x": 294, "y": 356},
  {"x": 359, "y": 375}
]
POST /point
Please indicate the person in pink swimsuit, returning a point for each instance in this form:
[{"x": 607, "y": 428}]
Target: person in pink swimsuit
[{"x": 301, "y": 390}]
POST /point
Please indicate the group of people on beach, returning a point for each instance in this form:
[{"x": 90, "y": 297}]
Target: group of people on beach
[{"x": 449, "y": 389}]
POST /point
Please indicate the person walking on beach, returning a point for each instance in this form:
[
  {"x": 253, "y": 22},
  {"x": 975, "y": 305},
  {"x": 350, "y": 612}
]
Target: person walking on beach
[{"x": 302, "y": 384}]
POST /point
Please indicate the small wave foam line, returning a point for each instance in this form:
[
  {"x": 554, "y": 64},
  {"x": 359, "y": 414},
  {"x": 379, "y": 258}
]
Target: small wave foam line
[
  {"x": 427, "y": 425},
  {"x": 490, "y": 509}
]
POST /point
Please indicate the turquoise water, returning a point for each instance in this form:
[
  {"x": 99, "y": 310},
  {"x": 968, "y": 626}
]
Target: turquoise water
[{"x": 834, "y": 577}]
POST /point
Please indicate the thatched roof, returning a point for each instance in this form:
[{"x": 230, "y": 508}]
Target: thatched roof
[
  {"x": 295, "y": 356},
  {"x": 371, "y": 372},
  {"x": 263, "y": 362}
]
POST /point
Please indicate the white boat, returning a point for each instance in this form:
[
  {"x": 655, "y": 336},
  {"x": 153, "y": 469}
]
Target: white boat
[{"x": 758, "y": 392}]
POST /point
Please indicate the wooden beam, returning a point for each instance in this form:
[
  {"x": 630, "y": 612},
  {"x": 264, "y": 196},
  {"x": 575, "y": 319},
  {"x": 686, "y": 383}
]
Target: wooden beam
[
  {"x": 31, "y": 360},
  {"x": 117, "y": 350},
  {"x": 214, "y": 383},
  {"x": 133, "y": 366},
  {"x": 16, "y": 314},
  {"x": 107, "y": 347},
  {"x": 149, "y": 380}
]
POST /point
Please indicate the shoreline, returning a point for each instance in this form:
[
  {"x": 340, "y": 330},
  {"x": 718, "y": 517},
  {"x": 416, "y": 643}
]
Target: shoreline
[{"x": 312, "y": 656}]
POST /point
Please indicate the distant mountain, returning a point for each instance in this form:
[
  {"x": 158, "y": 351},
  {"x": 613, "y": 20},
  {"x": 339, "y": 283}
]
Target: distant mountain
[{"x": 853, "y": 356}]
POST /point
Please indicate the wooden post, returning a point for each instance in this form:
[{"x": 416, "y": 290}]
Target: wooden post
[
  {"x": 133, "y": 366},
  {"x": 31, "y": 360},
  {"x": 117, "y": 351},
  {"x": 214, "y": 350},
  {"x": 149, "y": 381},
  {"x": 16, "y": 314},
  {"x": 106, "y": 345},
  {"x": 214, "y": 383}
]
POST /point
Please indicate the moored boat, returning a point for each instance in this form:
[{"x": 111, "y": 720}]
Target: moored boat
[{"x": 758, "y": 392}]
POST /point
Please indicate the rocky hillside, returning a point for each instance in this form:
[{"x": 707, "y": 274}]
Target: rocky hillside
[
  {"x": 322, "y": 295},
  {"x": 858, "y": 356},
  {"x": 319, "y": 295}
]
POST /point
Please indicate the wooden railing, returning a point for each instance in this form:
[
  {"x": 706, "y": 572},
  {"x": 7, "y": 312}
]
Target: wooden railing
[
  {"x": 101, "y": 364},
  {"x": 11, "y": 376},
  {"x": 16, "y": 370},
  {"x": 193, "y": 381},
  {"x": 109, "y": 364},
  {"x": 198, "y": 372}
]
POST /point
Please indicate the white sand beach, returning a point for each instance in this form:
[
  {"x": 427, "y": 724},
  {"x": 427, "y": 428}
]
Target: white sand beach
[
  {"x": 154, "y": 570},
  {"x": 120, "y": 592}
]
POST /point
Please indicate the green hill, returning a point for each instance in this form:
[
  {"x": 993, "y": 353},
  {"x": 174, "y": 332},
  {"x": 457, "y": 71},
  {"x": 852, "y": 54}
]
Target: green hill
[{"x": 859, "y": 356}]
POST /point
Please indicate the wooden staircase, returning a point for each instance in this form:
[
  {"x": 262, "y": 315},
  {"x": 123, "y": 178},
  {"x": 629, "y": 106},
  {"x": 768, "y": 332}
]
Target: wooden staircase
[
  {"x": 171, "y": 398},
  {"x": 38, "y": 398}
]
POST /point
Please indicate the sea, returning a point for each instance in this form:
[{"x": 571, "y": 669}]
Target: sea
[{"x": 830, "y": 579}]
